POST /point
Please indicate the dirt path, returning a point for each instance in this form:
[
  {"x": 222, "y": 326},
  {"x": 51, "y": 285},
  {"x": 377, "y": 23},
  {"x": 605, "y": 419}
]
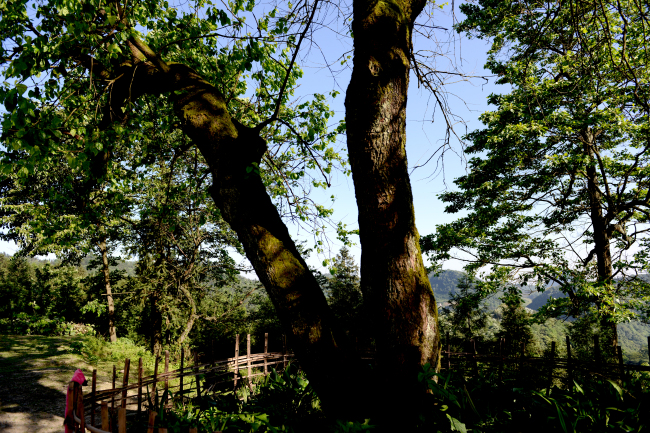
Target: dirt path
[{"x": 34, "y": 373}]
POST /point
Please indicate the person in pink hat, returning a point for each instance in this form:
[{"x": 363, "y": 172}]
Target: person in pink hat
[{"x": 68, "y": 422}]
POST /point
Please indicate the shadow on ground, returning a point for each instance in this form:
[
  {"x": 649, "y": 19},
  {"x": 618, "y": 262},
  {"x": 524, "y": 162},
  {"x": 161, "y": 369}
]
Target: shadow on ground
[{"x": 34, "y": 372}]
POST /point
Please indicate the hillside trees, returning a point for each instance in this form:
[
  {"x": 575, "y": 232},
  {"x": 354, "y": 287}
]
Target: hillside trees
[
  {"x": 466, "y": 316},
  {"x": 180, "y": 241},
  {"x": 95, "y": 68},
  {"x": 55, "y": 210},
  {"x": 558, "y": 191},
  {"x": 344, "y": 293}
]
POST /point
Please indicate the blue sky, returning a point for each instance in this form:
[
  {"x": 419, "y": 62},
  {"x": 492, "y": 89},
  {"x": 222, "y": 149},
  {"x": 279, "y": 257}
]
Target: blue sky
[{"x": 467, "y": 100}]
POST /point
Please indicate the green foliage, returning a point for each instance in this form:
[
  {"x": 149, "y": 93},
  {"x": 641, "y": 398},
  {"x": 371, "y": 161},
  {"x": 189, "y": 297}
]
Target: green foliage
[
  {"x": 344, "y": 293},
  {"x": 466, "y": 316},
  {"x": 557, "y": 187},
  {"x": 486, "y": 404},
  {"x": 515, "y": 325}
]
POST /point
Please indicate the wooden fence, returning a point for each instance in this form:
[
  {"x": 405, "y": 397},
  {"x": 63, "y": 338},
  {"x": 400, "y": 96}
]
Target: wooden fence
[
  {"x": 545, "y": 368},
  {"x": 191, "y": 380},
  {"x": 202, "y": 378}
]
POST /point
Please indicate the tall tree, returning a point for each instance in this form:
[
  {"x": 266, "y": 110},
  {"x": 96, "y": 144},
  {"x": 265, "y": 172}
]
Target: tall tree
[
  {"x": 394, "y": 282},
  {"x": 558, "y": 189},
  {"x": 344, "y": 292},
  {"x": 107, "y": 61}
]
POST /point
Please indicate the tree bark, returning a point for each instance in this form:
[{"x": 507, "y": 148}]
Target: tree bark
[
  {"x": 229, "y": 148},
  {"x": 393, "y": 277},
  {"x": 602, "y": 236},
  {"x": 109, "y": 295}
]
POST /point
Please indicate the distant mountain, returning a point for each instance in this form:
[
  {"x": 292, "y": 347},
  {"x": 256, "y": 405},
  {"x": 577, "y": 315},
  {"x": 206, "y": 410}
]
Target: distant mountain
[
  {"x": 542, "y": 298},
  {"x": 445, "y": 284}
]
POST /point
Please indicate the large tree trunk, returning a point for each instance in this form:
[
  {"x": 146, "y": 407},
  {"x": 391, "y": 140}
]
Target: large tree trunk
[
  {"x": 400, "y": 293},
  {"x": 393, "y": 277},
  {"x": 602, "y": 238},
  {"x": 109, "y": 295},
  {"x": 228, "y": 148}
]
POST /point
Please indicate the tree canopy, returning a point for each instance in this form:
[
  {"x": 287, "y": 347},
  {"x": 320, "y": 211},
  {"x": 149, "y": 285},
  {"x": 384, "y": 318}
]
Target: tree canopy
[
  {"x": 558, "y": 190},
  {"x": 82, "y": 80}
]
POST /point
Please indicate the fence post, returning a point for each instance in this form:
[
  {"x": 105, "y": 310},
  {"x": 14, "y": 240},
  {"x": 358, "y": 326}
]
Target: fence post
[
  {"x": 196, "y": 377},
  {"x": 105, "y": 423},
  {"x": 166, "y": 374},
  {"x": 596, "y": 350},
  {"x": 80, "y": 410},
  {"x": 140, "y": 385},
  {"x": 569, "y": 366},
  {"x": 125, "y": 381},
  {"x": 151, "y": 421},
  {"x": 113, "y": 393},
  {"x": 550, "y": 372},
  {"x": 501, "y": 359},
  {"x": 448, "y": 353},
  {"x": 266, "y": 351},
  {"x": 619, "y": 353},
  {"x": 121, "y": 420},
  {"x": 474, "y": 356},
  {"x": 521, "y": 358},
  {"x": 70, "y": 404},
  {"x": 93, "y": 404},
  {"x": 154, "y": 387},
  {"x": 284, "y": 351},
  {"x": 181, "y": 378},
  {"x": 236, "y": 359},
  {"x": 248, "y": 360}
]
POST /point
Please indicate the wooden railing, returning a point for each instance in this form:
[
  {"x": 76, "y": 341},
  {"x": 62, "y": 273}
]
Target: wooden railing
[
  {"x": 192, "y": 380},
  {"x": 549, "y": 366}
]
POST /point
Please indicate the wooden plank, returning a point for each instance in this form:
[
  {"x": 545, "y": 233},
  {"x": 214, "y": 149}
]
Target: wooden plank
[
  {"x": 105, "y": 423},
  {"x": 121, "y": 420},
  {"x": 151, "y": 421},
  {"x": 266, "y": 351},
  {"x": 125, "y": 381}
]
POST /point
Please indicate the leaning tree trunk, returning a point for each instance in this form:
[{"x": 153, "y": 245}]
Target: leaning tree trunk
[
  {"x": 109, "y": 294},
  {"x": 229, "y": 148},
  {"x": 393, "y": 277}
]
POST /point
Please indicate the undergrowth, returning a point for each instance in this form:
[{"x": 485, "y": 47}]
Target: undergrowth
[{"x": 285, "y": 402}]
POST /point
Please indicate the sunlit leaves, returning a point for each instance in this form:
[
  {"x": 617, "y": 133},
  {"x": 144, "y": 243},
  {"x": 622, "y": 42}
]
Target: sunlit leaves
[{"x": 569, "y": 137}]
